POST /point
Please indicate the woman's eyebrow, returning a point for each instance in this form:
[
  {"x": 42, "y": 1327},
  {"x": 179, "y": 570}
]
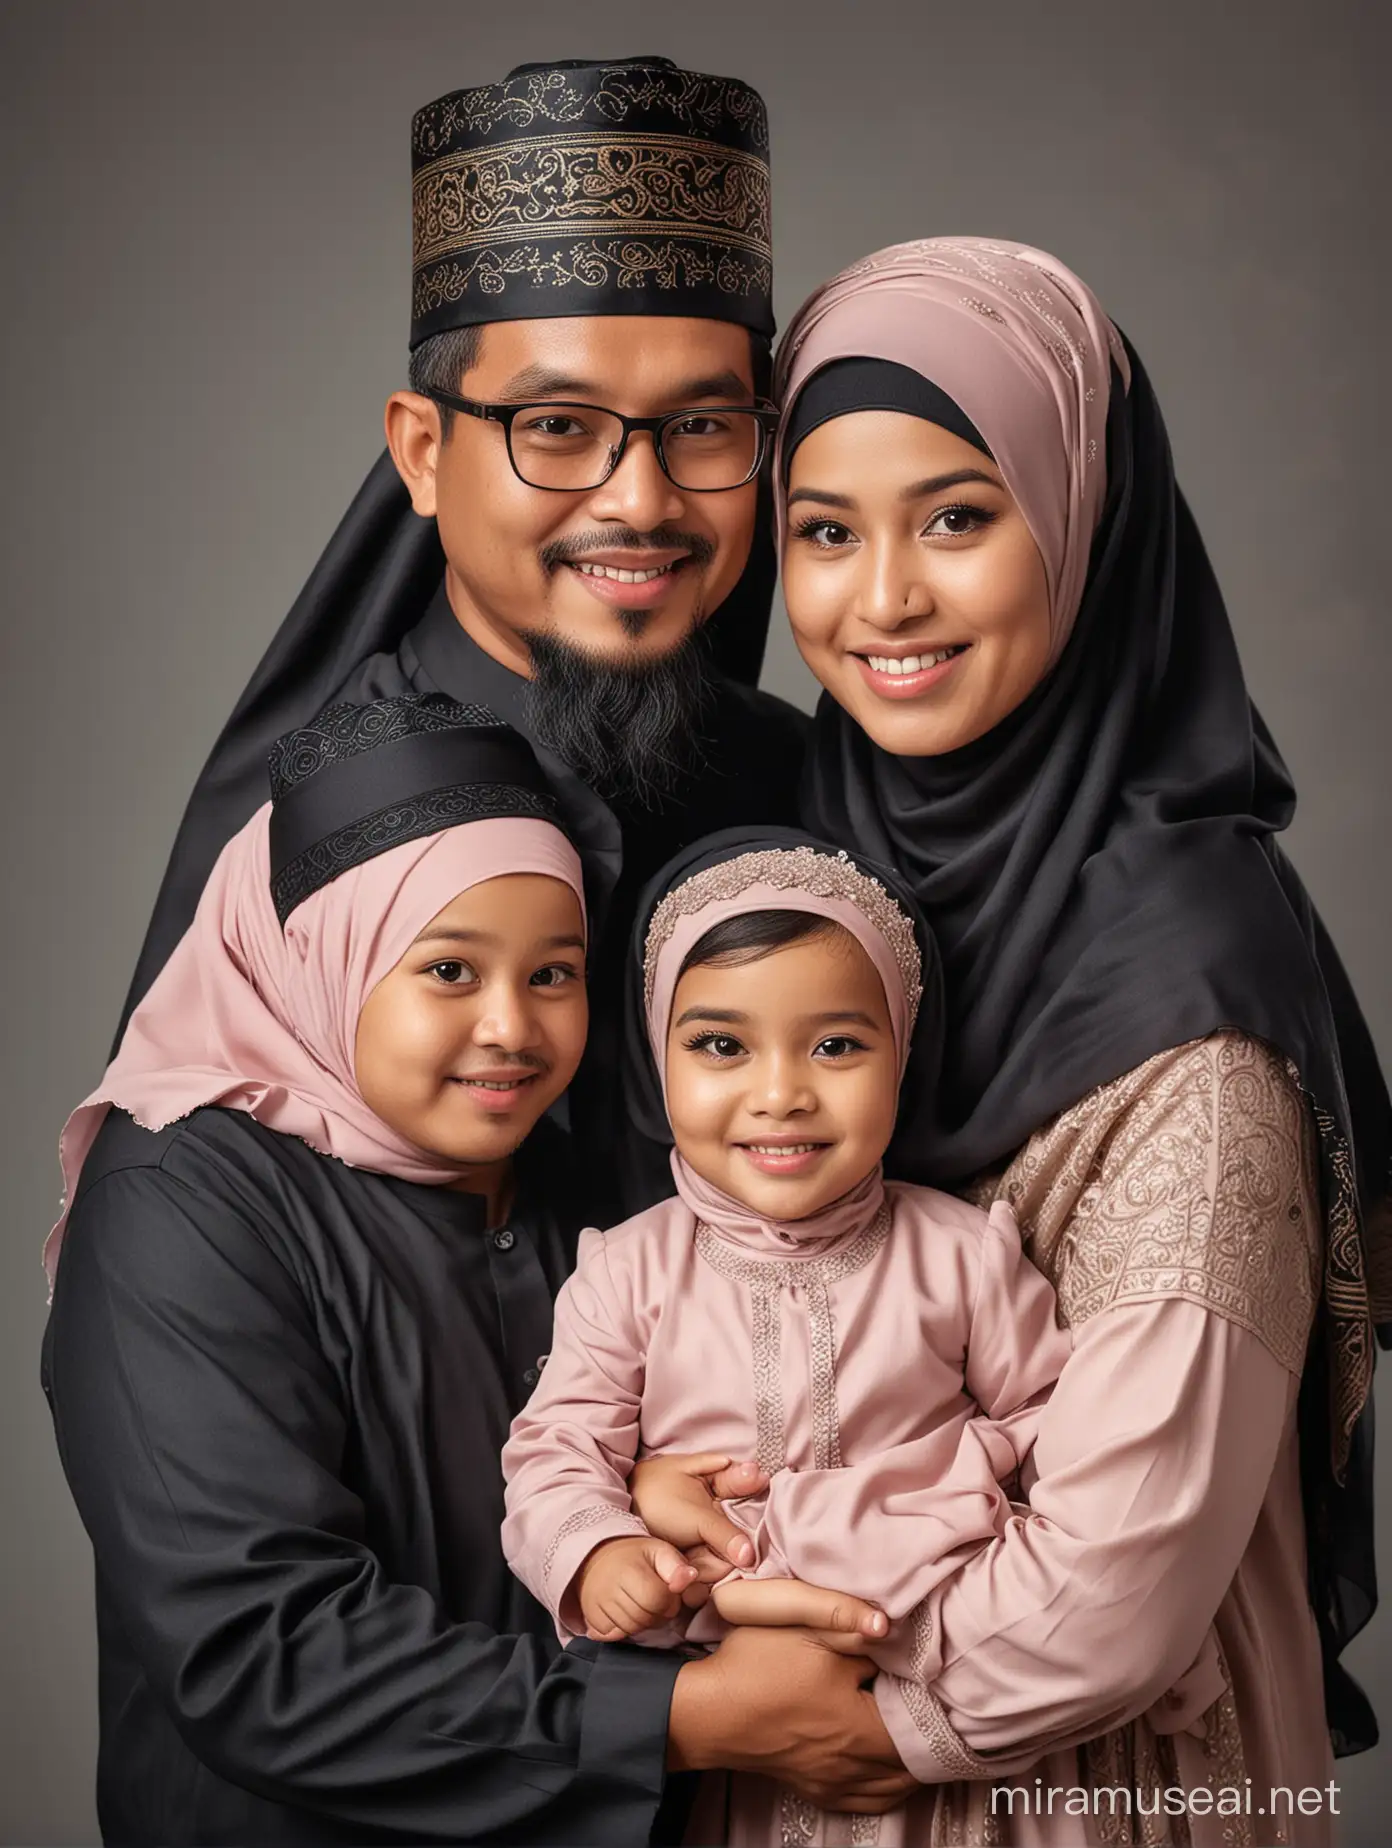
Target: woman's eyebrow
[
  {"x": 726, "y": 1016},
  {"x": 850, "y": 1016},
  {"x": 822, "y": 495},
  {"x": 934, "y": 484}
]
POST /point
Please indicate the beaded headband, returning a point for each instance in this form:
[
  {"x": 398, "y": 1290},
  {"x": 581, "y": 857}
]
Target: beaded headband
[{"x": 797, "y": 869}]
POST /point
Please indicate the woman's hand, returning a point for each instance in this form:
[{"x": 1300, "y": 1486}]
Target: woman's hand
[
  {"x": 780, "y": 1603},
  {"x": 679, "y": 1500}
]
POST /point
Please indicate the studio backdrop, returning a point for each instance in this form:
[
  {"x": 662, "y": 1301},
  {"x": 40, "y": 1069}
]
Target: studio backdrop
[{"x": 206, "y": 305}]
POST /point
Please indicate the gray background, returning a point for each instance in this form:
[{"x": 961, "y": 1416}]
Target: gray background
[{"x": 206, "y": 304}]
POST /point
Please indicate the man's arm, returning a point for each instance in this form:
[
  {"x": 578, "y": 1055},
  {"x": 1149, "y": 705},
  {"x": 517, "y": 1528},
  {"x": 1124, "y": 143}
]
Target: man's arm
[{"x": 205, "y": 1441}]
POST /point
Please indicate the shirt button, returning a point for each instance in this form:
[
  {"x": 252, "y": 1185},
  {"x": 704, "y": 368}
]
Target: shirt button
[
  {"x": 530, "y": 1377},
  {"x": 504, "y": 1240}
]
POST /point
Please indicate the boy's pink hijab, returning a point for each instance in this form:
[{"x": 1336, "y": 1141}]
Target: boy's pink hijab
[
  {"x": 1019, "y": 342},
  {"x": 826, "y": 885},
  {"x": 254, "y": 1018}
]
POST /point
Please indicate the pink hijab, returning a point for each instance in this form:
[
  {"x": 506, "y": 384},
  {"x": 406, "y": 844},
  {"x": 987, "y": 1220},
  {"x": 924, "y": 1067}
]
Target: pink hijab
[
  {"x": 254, "y": 1018},
  {"x": 1019, "y": 342},
  {"x": 827, "y": 885}
]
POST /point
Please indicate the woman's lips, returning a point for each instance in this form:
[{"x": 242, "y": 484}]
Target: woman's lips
[
  {"x": 642, "y": 593},
  {"x": 907, "y": 685},
  {"x": 789, "y": 1158}
]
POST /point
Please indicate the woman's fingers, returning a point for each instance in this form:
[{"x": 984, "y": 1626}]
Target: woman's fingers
[
  {"x": 717, "y": 1531},
  {"x": 708, "y": 1565},
  {"x": 777, "y": 1602},
  {"x": 673, "y": 1496},
  {"x": 734, "y": 1480}
]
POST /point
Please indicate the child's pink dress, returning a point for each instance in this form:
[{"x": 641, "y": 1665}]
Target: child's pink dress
[{"x": 888, "y": 1377}]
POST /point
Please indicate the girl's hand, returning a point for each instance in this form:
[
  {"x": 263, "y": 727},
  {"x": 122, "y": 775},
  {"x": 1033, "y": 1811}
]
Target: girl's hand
[
  {"x": 678, "y": 1498},
  {"x": 711, "y": 1567},
  {"x": 630, "y": 1585}
]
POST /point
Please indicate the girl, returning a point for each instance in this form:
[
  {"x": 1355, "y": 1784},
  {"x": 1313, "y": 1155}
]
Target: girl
[
  {"x": 880, "y": 1349},
  {"x": 304, "y": 1280}
]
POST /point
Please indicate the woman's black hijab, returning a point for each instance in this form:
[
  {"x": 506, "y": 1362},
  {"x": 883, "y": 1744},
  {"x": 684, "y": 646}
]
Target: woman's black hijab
[{"x": 1103, "y": 879}]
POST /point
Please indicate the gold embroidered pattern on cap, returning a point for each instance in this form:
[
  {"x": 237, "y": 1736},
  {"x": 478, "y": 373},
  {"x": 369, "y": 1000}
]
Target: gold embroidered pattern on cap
[
  {"x": 540, "y": 99},
  {"x": 628, "y": 263},
  {"x": 650, "y": 183}
]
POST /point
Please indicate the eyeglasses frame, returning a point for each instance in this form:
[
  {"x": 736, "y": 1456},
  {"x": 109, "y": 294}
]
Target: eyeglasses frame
[{"x": 765, "y": 415}]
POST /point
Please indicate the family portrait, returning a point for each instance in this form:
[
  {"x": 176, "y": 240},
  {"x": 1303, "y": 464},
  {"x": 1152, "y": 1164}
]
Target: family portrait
[{"x": 701, "y": 1130}]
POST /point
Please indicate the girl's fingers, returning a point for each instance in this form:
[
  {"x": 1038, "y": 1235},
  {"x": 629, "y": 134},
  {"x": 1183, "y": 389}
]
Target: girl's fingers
[{"x": 675, "y": 1572}]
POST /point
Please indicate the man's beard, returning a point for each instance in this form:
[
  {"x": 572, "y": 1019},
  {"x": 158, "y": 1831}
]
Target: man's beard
[{"x": 631, "y": 730}]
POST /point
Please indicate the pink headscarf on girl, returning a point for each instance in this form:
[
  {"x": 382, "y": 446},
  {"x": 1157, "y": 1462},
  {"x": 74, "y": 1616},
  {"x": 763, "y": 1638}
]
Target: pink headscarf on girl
[
  {"x": 826, "y": 885},
  {"x": 1019, "y": 342},
  {"x": 254, "y": 1018}
]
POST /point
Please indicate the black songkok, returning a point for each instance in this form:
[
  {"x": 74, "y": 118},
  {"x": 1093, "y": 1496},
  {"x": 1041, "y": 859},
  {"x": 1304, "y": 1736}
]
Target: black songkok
[
  {"x": 631, "y": 187},
  {"x": 360, "y": 780}
]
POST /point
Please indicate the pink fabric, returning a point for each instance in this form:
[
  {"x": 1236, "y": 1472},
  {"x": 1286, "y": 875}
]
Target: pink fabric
[
  {"x": 263, "y": 1020},
  {"x": 884, "y": 1358},
  {"x": 1166, "y": 1473},
  {"x": 661, "y": 1348},
  {"x": 728, "y": 1217},
  {"x": 739, "y": 1225},
  {"x": 1019, "y": 342}
]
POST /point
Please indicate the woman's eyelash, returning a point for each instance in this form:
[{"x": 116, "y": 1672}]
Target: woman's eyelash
[
  {"x": 983, "y": 516},
  {"x": 979, "y": 516},
  {"x": 814, "y": 523}
]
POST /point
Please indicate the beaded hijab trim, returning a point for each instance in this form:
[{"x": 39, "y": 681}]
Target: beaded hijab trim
[{"x": 791, "y": 869}]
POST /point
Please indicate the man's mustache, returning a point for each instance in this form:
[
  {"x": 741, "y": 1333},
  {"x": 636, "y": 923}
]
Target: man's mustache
[{"x": 566, "y": 550}]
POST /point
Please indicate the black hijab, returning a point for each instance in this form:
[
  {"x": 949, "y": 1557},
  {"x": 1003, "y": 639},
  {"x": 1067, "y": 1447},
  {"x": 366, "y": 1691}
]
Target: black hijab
[{"x": 1102, "y": 875}]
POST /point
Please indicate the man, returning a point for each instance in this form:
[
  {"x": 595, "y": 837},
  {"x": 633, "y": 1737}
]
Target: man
[
  {"x": 582, "y": 233},
  {"x": 600, "y": 234}
]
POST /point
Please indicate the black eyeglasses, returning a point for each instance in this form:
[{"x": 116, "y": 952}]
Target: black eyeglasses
[{"x": 568, "y": 448}]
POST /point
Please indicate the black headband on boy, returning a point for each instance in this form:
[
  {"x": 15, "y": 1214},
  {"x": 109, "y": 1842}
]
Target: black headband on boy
[{"x": 360, "y": 780}]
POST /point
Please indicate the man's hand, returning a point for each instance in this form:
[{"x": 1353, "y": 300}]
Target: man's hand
[
  {"x": 791, "y": 1705},
  {"x": 789, "y": 1603},
  {"x": 629, "y": 1585},
  {"x": 678, "y": 1498}
]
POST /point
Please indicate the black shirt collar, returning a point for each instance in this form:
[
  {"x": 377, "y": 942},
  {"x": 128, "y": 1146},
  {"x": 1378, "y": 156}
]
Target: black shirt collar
[{"x": 459, "y": 667}]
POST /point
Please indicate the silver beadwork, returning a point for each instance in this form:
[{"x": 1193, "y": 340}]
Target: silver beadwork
[{"x": 795, "y": 869}]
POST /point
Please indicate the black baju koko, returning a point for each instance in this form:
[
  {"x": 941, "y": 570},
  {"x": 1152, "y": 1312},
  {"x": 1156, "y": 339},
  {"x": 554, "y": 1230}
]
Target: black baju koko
[
  {"x": 280, "y": 1387},
  {"x": 754, "y": 747}
]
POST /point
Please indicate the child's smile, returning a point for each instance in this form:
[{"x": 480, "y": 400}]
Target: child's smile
[{"x": 782, "y": 1074}]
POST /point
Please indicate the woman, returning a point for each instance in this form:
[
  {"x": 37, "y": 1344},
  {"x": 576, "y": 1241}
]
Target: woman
[{"x": 1037, "y": 714}]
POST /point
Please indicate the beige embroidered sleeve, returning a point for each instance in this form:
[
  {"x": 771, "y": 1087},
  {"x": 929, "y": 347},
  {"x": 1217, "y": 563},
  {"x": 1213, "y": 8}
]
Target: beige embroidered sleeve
[
  {"x": 1193, "y": 1178},
  {"x": 1175, "y": 1213}
]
